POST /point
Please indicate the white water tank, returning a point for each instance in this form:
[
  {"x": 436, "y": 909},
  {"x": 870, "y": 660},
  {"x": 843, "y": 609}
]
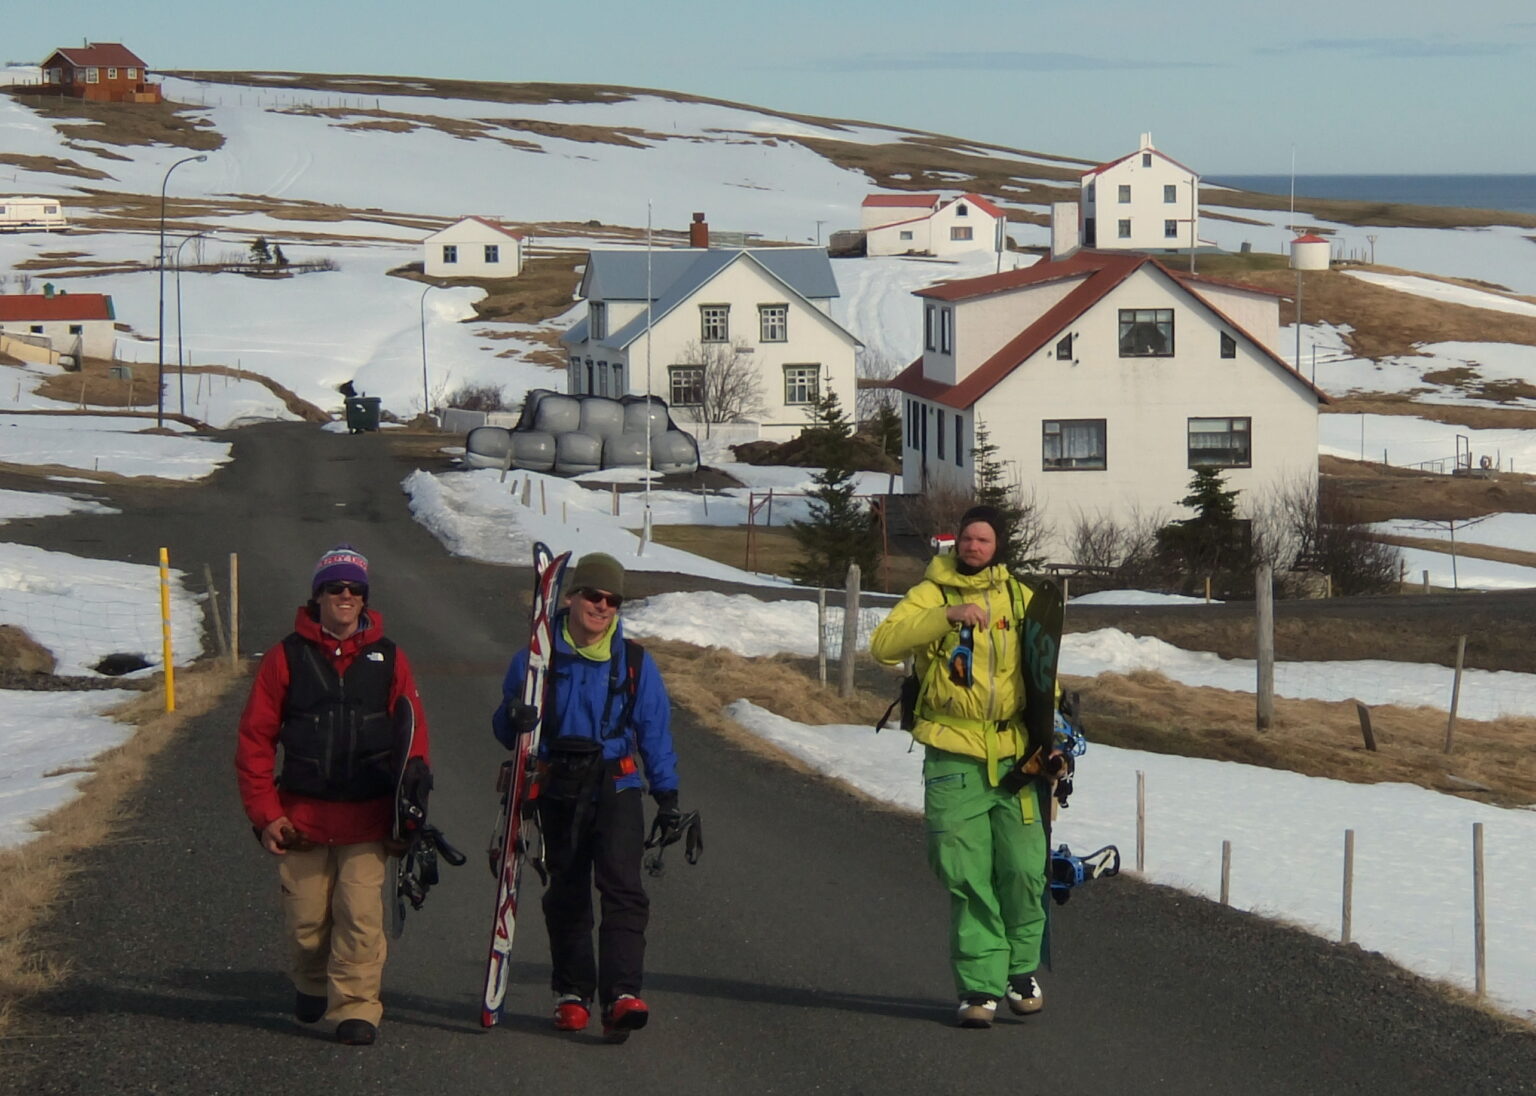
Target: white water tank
[{"x": 1310, "y": 252}]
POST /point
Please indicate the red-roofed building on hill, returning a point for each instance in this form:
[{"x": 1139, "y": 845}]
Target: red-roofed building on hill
[
  {"x": 1144, "y": 201},
  {"x": 107, "y": 72},
  {"x": 78, "y": 324},
  {"x": 473, "y": 247},
  {"x": 1106, "y": 379},
  {"x": 926, "y": 224}
]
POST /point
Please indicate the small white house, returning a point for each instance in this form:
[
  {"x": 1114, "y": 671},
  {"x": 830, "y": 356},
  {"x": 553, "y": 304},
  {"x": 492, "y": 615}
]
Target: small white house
[
  {"x": 67, "y": 323},
  {"x": 1146, "y": 201},
  {"x": 31, "y": 214},
  {"x": 473, "y": 247},
  {"x": 924, "y": 224},
  {"x": 1105, "y": 379},
  {"x": 763, "y": 311}
]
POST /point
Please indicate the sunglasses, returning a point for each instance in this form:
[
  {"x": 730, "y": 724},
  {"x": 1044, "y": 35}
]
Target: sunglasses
[
  {"x": 335, "y": 588},
  {"x": 597, "y": 597}
]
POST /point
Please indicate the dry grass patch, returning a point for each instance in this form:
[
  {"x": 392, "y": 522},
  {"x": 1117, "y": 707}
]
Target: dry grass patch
[
  {"x": 164, "y": 123},
  {"x": 1455, "y": 414},
  {"x": 546, "y": 288},
  {"x": 1379, "y": 492},
  {"x": 624, "y": 136},
  {"x": 35, "y": 874},
  {"x": 52, "y": 165},
  {"x": 775, "y": 550}
]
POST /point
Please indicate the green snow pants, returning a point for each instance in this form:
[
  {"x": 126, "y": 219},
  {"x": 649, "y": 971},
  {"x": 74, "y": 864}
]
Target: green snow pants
[{"x": 993, "y": 864}]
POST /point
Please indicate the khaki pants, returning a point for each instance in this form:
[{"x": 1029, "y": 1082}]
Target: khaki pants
[{"x": 333, "y": 906}]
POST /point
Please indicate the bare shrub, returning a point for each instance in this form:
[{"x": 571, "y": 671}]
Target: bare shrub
[
  {"x": 731, "y": 388},
  {"x": 873, "y": 371},
  {"x": 1305, "y": 524},
  {"x": 1126, "y": 547},
  {"x": 478, "y": 397},
  {"x": 938, "y": 509}
]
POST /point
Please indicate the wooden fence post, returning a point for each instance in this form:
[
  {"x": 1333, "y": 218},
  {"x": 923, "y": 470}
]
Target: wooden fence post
[
  {"x": 213, "y": 604},
  {"x": 850, "y": 632},
  {"x": 1347, "y": 913},
  {"x": 234, "y": 610},
  {"x": 1141, "y": 820},
  {"x": 1226, "y": 872},
  {"x": 821, "y": 635},
  {"x": 1479, "y": 911},
  {"x": 1450, "y": 723},
  {"x": 1365, "y": 726},
  {"x": 1264, "y": 634}
]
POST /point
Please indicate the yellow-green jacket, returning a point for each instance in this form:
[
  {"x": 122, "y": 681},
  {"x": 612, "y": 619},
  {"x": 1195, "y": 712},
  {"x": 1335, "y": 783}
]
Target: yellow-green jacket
[{"x": 985, "y": 719}]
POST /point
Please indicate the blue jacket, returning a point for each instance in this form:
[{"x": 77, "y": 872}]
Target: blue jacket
[{"x": 584, "y": 706}]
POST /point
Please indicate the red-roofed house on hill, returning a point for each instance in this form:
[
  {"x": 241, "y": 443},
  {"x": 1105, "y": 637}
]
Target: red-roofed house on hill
[
  {"x": 925, "y": 224},
  {"x": 1106, "y": 378},
  {"x": 473, "y": 247},
  {"x": 107, "y": 72},
  {"x": 1144, "y": 201},
  {"x": 67, "y": 323}
]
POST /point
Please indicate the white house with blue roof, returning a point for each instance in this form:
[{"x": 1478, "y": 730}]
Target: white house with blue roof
[{"x": 766, "y": 311}]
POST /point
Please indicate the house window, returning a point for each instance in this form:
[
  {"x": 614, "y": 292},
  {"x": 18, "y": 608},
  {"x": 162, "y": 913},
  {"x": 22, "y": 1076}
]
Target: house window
[
  {"x": 1170, "y": 229},
  {"x": 1228, "y": 346},
  {"x": 1073, "y": 445},
  {"x": 618, "y": 379},
  {"x": 911, "y": 424},
  {"x": 133, "y": 74},
  {"x": 962, "y": 211},
  {"x": 575, "y": 372},
  {"x": 37, "y": 329},
  {"x": 687, "y": 383},
  {"x": 1125, "y": 192},
  {"x": 960, "y": 232},
  {"x": 959, "y": 459},
  {"x": 1170, "y": 193},
  {"x": 597, "y": 319},
  {"x": 1064, "y": 349},
  {"x": 1220, "y": 443},
  {"x": 591, "y": 377},
  {"x": 1146, "y": 159},
  {"x": 906, "y": 234},
  {"x": 1146, "y": 332},
  {"x": 493, "y": 253},
  {"x": 714, "y": 322},
  {"x": 602, "y": 378},
  {"x": 77, "y": 329},
  {"x": 1125, "y": 228},
  {"x": 773, "y": 322},
  {"x": 939, "y": 437},
  {"x": 928, "y": 325},
  {"x": 945, "y": 345},
  {"x": 800, "y": 384},
  {"x": 1092, "y": 187},
  {"x": 111, "y": 74},
  {"x": 50, "y": 210},
  {"x": 450, "y": 253},
  {"x": 93, "y": 76}
]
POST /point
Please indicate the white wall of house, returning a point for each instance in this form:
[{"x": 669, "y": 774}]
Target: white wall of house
[
  {"x": 960, "y": 226},
  {"x": 813, "y": 343},
  {"x": 470, "y": 249},
  {"x": 1155, "y": 222},
  {"x": 1146, "y": 405},
  {"x": 899, "y": 239},
  {"x": 979, "y": 327},
  {"x": 1254, "y": 312},
  {"x": 96, "y": 338},
  {"x": 46, "y": 213},
  {"x": 875, "y": 216}
]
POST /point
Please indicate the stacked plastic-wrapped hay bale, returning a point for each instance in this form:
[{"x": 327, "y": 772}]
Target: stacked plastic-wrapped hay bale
[{"x": 574, "y": 434}]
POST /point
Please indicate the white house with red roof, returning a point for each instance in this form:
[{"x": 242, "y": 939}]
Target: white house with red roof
[
  {"x": 926, "y": 224},
  {"x": 1144, "y": 201},
  {"x": 66, "y": 323},
  {"x": 107, "y": 72},
  {"x": 473, "y": 247},
  {"x": 1106, "y": 379}
]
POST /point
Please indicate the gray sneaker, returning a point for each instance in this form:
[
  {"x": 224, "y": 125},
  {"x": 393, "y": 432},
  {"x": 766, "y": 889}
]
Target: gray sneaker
[
  {"x": 1024, "y": 996},
  {"x": 976, "y": 1011}
]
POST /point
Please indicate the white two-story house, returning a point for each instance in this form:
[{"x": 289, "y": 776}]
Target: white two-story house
[
  {"x": 1105, "y": 379},
  {"x": 473, "y": 247},
  {"x": 657, "y": 321},
  {"x": 926, "y": 224},
  {"x": 1146, "y": 201}
]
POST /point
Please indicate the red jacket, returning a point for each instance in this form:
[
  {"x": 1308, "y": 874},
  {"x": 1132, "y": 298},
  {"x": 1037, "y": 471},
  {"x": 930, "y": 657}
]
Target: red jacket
[{"x": 323, "y": 821}]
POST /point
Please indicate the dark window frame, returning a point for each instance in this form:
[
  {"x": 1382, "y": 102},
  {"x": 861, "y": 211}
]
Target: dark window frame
[
  {"x": 1238, "y": 454},
  {"x": 691, "y": 385},
  {"x": 1058, "y": 462},
  {"x": 1143, "y": 327}
]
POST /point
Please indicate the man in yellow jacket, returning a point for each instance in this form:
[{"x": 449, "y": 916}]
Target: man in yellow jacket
[{"x": 964, "y": 625}]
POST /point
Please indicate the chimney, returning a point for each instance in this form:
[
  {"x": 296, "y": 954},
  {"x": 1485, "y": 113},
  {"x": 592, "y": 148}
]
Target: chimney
[
  {"x": 1146, "y": 140},
  {"x": 48, "y": 290},
  {"x": 698, "y": 232}
]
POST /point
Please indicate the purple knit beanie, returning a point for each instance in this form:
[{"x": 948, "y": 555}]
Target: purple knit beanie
[{"x": 342, "y": 563}]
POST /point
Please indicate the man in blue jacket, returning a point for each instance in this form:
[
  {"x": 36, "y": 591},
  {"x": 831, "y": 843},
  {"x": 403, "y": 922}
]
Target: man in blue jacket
[{"x": 608, "y": 712}]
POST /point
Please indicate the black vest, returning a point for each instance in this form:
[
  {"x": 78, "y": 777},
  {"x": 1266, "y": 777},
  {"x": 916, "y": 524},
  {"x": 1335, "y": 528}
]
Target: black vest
[{"x": 337, "y": 737}]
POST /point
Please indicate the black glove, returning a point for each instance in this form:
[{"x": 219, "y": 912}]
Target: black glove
[
  {"x": 667, "y": 827},
  {"x": 522, "y": 718}
]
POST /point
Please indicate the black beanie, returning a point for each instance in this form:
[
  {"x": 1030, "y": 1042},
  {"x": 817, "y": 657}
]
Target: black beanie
[{"x": 992, "y": 517}]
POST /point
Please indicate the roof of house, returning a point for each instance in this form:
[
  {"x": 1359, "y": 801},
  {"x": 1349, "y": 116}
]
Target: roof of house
[
  {"x": 1097, "y": 273},
  {"x": 40, "y": 307},
  {"x": 486, "y": 221},
  {"x": 902, "y": 200},
  {"x": 676, "y": 274},
  {"x": 110, "y": 54},
  {"x": 1129, "y": 155},
  {"x": 980, "y": 203}
]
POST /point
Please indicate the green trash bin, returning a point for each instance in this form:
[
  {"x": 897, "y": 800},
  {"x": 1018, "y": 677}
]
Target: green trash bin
[{"x": 362, "y": 413}]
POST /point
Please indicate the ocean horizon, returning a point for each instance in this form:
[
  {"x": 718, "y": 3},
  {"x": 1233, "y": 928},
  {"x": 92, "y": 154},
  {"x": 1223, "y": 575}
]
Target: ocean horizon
[{"x": 1509, "y": 193}]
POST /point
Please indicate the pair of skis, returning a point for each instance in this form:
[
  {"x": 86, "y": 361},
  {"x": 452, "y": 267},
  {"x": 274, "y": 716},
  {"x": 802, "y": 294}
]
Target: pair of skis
[{"x": 516, "y": 829}]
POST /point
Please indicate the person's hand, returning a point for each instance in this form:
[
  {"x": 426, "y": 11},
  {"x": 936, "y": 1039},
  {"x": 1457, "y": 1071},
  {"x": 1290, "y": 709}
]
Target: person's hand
[
  {"x": 278, "y": 835},
  {"x": 522, "y": 718},
  {"x": 967, "y": 613},
  {"x": 669, "y": 819}
]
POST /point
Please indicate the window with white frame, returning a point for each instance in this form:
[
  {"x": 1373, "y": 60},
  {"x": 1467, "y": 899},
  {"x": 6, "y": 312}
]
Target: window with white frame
[
  {"x": 773, "y": 322},
  {"x": 1170, "y": 193},
  {"x": 93, "y": 76},
  {"x": 1146, "y": 332},
  {"x": 1170, "y": 228},
  {"x": 1228, "y": 346},
  {"x": 1069, "y": 445},
  {"x": 960, "y": 232},
  {"x": 450, "y": 253},
  {"x": 133, "y": 74},
  {"x": 687, "y": 385},
  {"x": 1125, "y": 228},
  {"x": 801, "y": 384},
  {"x": 112, "y": 74},
  {"x": 493, "y": 253},
  {"x": 1221, "y": 443},
  {"x": 714, "y": 322},
  {"x": 597, "y": 319},
  {"x": 1125, "y": 192}
]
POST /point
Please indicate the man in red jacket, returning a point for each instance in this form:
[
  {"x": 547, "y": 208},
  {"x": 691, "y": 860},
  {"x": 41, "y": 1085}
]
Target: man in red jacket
[{"x": 331, "y": 695}]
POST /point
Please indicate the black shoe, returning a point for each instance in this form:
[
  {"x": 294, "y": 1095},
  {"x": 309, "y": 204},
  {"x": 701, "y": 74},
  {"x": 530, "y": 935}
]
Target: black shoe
[
  {"x": 355, "y": 1033},
  {"x": 307, "y": 1008}
]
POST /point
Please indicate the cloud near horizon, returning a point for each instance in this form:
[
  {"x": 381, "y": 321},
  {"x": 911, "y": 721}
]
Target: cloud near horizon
[
  {"x": 994, "y": 61},
  {"x": 1394, "y": 48}
]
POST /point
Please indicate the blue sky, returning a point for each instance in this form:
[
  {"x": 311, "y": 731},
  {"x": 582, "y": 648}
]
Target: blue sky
[{"x": 1357, "y": 87}]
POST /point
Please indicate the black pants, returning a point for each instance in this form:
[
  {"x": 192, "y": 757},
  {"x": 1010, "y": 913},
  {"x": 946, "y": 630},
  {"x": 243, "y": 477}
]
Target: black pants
[{"x": 607, "y": 851}]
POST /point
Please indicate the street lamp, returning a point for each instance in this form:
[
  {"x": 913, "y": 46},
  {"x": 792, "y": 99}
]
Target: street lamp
[
  {"x": 426, "y": 399},
  {"x": 181, "y": 382},
  {"x": 160, "y": 258}
]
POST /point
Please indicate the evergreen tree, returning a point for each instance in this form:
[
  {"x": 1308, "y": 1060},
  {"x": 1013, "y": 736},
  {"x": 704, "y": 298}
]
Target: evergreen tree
[
  {"x": 884, "y": 426},
  {"x": 839, "y": 531},
  {"x": 1212, "y": 541},
  {"x": 260, "y": 252},
  {"x": 278, "y": 258},
  {"x": 994, "y": 489}
]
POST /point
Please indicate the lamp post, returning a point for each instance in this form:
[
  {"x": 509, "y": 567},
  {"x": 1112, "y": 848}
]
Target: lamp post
[
  {"x": 426, "y": 399},
  {"x": 181, "y": 383},
  {"x": 160, "y": 259}
]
